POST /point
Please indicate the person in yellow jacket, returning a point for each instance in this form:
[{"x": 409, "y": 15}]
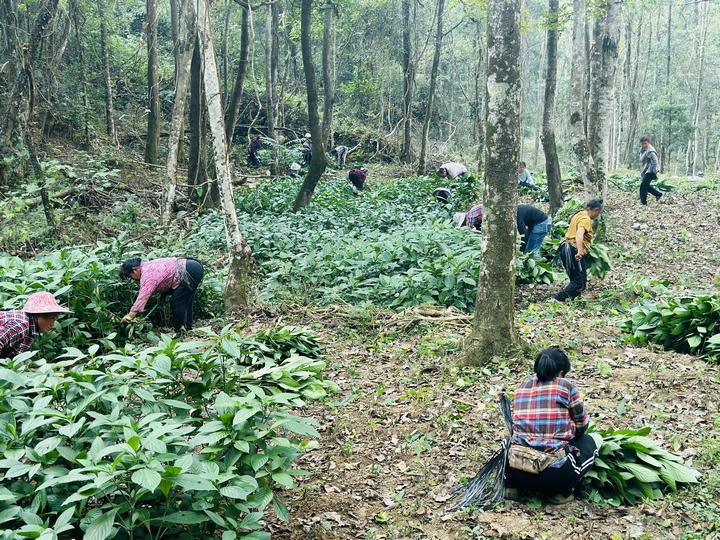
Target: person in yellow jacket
[{"x": 572, "y": 252}]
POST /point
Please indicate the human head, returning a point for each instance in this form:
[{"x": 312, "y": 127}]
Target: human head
[
  {"x": 550, "y": 363},
  {"x": 44, "y": 308},
  {"x": 130, "y": 269},
  {"x": 594, "y": 207},
  {"x": 521, "y": 166},
  {"x": 645, "y": 142},
  {"x": 308, "y": 136},
  {"x": 442, "y": 172}
]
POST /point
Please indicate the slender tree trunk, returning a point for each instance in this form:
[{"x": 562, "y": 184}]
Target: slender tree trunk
[
  {"x": 75, "y": 11},
  {"x": 186, "y": 45},
  {"x": 174, "y": 30},
  {"x": 580, "y": 146},
  {"x": 37, "y": 170},
  {"x": 328, "y": 65},
  {"x": 317, "y": 163},
  {"x": 539, "y": 107},
  {"x": 552, "y": 163},
  {"x": 667, "y": 133},
  {"x": 53, "y": 70},
  {"x": 408, "y": 81},
  {"x": 480, "y": 97},
  {"x": 271, "y": 60},
  {"x": 237, "y": 287},
  {"x": 153, "y": 130},
  {"x": 226, "y": 31},
  {"x": 431, "y": 92},
  {"x": 494, "y": 328},
  {"x": 698, "y": 92},
  {"x": 197, "y": 168},
  {"x": 233, "y": 108},
  {"x": 109, "y": 120},
  {"x": 602, "y": 92}
]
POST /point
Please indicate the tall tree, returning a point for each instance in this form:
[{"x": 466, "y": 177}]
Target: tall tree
[
  {"x": 580, "y": 146},
  {"x": 406, "y": 154},
  {"x": 197, "y": 168},
  {"x": 603, "y": 64},
  {"x": 552, "y": 162},
  {"x": 328, "y": 66},
  {"x": 271, "y": 62},
  {"x": 433, "y": 82},
  {"x": 667, "y": 126},
  {"x": 704, "y": 20},
  {"x": 153, "y": 130},
  {"x": 75, "y": 13},
  {"x": 107, "y": 81},
  {"x": 494, "y": 328},
  {"x": 480, "y": 96},
  {"x": 318, "y": 162},
  {"x": 233, "y": 108},
  {"x": 237, "y": 287}
]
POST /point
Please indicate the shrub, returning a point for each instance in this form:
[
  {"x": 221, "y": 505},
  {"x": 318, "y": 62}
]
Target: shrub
[
  {"x": 688, "y": 324},
  {"x": 179, "y": 440},
  {"x": 632, "y": 467}
]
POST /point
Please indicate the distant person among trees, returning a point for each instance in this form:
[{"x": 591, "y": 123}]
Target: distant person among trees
[
  {"x": 19, "y": 326},
  {"x": 473, "y": 218},
  {"x": 573, "y": 251},
  {"x": 525, "y": 178},
  {"x": 533, "y": 225},
  {"x": 306, "y": 148},
  {"x": 452, "y": 170},
  {"x": 649, "y": 168},
  {"x": 442, "y": 195},
  {"x": 294, "y": 170},
  {"x": 357, "y": 177},
  {"x": 253, "y": 149},
  {"x": 550, "y": 450},
  {"x": 339, "y": 153},
  {"x": 177, "y": 277}
]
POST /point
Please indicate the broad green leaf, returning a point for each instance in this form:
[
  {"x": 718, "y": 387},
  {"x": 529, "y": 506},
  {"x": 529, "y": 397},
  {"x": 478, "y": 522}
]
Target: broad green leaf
[
  {"x": 147, "y": 478},
  {"x": 102, "y": 527}
]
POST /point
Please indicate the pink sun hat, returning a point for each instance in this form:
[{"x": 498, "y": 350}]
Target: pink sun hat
[{"x": 43, "y": 302}]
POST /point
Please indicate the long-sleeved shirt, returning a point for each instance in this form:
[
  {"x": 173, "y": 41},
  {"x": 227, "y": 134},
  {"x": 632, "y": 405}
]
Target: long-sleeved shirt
[
  {"x": 526, "y": 178},
  {"x": 473, "y": 219},
  {"x": 649, "y": 161},
  {"x": 454, "y": 169},
  {"x": 17, "y": 329},
  {"x": 527, "y": 217},
  {"x": 547, "y": 415},
  {"x": 158, "y": 275}
]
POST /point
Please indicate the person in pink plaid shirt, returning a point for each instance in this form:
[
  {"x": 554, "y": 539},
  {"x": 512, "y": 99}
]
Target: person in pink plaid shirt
[
  {"x": 19, "y": 326},
  {"x": 179, "y": 278}
]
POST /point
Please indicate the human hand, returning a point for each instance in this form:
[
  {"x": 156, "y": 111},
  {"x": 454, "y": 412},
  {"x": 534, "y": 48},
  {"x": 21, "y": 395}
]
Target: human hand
[
  {"x": 578, "y": 256},
  {"x": 127, "y": 318}
]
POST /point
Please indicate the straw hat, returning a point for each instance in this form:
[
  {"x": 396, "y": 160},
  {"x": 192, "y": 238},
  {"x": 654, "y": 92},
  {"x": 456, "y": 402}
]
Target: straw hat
[{"x": 43, "y": 302}]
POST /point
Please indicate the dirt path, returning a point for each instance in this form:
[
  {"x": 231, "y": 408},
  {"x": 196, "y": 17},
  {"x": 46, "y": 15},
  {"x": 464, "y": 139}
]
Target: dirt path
[{"x": 410, "y": 422}]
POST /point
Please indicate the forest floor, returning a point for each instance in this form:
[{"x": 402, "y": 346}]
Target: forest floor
[{"x": 411, "y": 421}]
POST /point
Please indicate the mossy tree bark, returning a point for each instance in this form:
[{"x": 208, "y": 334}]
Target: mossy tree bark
[
  {"x": 237, "y": 287},
  {"x": 494, "y": 328}
]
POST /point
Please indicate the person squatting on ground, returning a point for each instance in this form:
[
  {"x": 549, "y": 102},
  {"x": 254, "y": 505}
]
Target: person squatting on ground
[
  {"x": 648, "y": 170},
  {"x": 253, "y": 149},
  {"x": 525, "y": 178},
  {"x": 339, "y": 153},
  {"x": 442, "y": 195},
  {"x": 171, "y": 275},
  {"x": 550, "y": 451},
  {"x": 572, "y": 252},
  {"x": 533, "y": 225},
  {"x": 452, "y": 170},
  {"x": 473, "y": 218},
  {"x": 19, "y": 326},
  {"x": 357, "y": 177}
]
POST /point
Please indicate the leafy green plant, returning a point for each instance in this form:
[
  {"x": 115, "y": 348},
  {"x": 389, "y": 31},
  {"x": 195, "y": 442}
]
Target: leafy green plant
[
  {"x": 632, "y": 467},
  {"x": 689, "y": 324}
]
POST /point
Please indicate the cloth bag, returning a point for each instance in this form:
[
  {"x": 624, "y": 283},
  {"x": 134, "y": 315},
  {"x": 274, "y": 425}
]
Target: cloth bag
[{"x": 524, "y": 458}]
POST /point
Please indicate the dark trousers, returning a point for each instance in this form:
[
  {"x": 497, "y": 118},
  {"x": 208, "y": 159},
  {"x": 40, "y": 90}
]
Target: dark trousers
[
  {"x": 253, "y": 159},
  {"x": 557, "y": 480},
  {"x": 646, "y": 188},
  {"x": 577, "y": 273},
  {"x": 183, "y": 297}
]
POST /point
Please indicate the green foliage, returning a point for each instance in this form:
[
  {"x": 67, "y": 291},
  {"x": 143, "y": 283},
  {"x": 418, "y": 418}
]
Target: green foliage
[
  {"x": 689, "y": 324},
  {"x": 179, "y": 440},
  {"x": 632, "y": 467},
  {"x": 631, "y": 182}
]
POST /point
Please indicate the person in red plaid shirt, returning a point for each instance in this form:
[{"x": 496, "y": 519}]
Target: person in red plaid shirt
[
  {"x": 474, "y": 217},
  {"x": 18, "y": 327},
  {"x": 549, "y": 416}
]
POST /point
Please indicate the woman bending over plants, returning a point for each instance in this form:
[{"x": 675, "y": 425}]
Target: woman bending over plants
[
  {"x": 550, "y": 451},
  {"x": 177, "y": 277}
]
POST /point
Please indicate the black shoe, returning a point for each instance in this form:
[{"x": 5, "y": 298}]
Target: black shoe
[{"x": 657, "y": 197}]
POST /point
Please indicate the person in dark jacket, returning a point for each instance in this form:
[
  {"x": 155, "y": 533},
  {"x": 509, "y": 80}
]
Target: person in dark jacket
[
  {"x": 533, "y": 225},
  {"x": 648, "y": 170},
  {"x": 357, "y": 177},
  {"x": 253, "y": 149}
]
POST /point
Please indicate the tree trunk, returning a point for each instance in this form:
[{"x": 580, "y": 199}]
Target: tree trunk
[
  {"x": 552, "y": 163},
  {"x": 75, "y": 10},
  {"x": 197, "y": 168},
  {"x": 186, "y": 45},
  {"x": 698, "y": 91},
  {"x": 602, "y": 90},
  {"x": 666, "y": 133},
  {"x": 53, "y": 69},
  {"x": 233, "y": 108},
  {"x": 408, "y": 81},
  {"x": 480, "y": 98},
  {"x": 494, "y": 329},
  {"x": 317, "y": 163},
  {"x": 271, "y": 60},
  {"x": 580, "y": 146},
  {"x": 431, "y": 92},
  {"x": 539, "y": 101},
  {"x": 175, "y": 33},
  {"x": 153, "y": 130},
  {"x": 237, "y": 287},
  {"x": 109, "y": 120},
  {"x": 328, "y": 65}
]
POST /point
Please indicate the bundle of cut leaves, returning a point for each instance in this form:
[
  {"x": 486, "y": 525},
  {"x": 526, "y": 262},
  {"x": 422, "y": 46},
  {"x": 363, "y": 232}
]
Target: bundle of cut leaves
[{"x": 633, "y": 467}]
